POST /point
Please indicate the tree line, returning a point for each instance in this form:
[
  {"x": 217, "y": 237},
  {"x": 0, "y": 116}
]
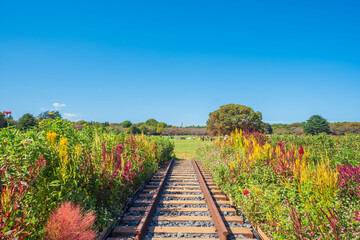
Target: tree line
[{"x": 222, "y": 121}]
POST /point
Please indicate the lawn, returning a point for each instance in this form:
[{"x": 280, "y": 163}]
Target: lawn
[{"x": 185, "y": 149}]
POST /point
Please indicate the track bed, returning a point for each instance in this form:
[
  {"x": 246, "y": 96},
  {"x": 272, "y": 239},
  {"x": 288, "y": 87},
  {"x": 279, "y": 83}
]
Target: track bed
[{"x": 182, "y": 202}]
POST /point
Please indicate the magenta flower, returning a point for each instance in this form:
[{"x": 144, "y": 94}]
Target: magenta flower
[{"x": 301, "y": 151}]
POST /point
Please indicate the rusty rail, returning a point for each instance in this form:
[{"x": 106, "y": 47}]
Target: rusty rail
[
  {"x": 144, "y": 223},
  {"x": 217, "y": 219}
]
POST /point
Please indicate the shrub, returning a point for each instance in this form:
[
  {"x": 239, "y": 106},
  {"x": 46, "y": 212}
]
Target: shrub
[{"x": 70, "y": 222}]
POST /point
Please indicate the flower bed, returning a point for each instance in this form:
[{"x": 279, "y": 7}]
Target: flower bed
[
  {"x": 295, "y": 188},
  {"x": 93, "y": 168}
]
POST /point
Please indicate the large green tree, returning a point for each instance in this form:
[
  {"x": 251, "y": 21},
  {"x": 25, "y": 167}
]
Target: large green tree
[
  {"x": 234, "y": 116},
  {"x": 316, "y": 124},
  {"x": 27, "y": 121}
]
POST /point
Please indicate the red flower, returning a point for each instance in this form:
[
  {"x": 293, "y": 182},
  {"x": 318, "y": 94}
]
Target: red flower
[
  {"x": 301, "y": 151},
  {"x": 246, "y": 192},
  {"x": 301, "y": 132}
]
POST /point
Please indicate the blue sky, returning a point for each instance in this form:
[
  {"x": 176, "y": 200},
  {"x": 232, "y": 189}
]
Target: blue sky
[{"x": 176, "y": 61}]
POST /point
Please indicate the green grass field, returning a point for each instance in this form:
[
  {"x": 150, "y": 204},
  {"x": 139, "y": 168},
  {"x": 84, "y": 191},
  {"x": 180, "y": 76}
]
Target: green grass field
[{"x": 185, "y": 149}]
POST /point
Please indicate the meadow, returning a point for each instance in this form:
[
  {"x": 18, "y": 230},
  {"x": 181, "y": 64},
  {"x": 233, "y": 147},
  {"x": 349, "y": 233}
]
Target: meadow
[
  {"x": 186, "y": 149},
  {"x": 292, "y": 186},
  {"x": 55, "y": 174}
]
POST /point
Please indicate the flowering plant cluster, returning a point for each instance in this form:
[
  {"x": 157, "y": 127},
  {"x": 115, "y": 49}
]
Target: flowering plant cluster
[
  {"x": 94, "y": 169},
  {"x": 6, "y": 112},
  {"x": 292, "y": 187}
]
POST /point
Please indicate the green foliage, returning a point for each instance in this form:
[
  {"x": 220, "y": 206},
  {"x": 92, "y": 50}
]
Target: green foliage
[
  {"x": 91, "y": 167},
  {"x": 268, "y": 128},
  {"x": 160, "y": 127},
  {"x": 339, "y": 149},
  {"x": 3, "y": 122},
  {"x": 27, "y": 121},
  {"x": 151, "y": 122},
  {"x": 126, "y": 124},
  {"x": 144, "y": 129},
  {"x": 134, "y": 130},
  {"x": 294, "y": 187},
  {"x": 316, "y": 124},
  {"x": 234, "y": 116},
  {"x": 49, "y": 115}
]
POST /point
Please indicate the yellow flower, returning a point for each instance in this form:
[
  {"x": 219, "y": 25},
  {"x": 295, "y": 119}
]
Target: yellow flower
[
  {"x": 5, "y": 141},
  {"x": 58, "y": 121},
  {"x": 240, "y": 190},
  {"x": 51, "y": 136},
  {"x": 40, "y": 123},
  {"x": 63, "y": 142},
  {"x": 50, "y": 113},
  {"x": 84, "y": 124},
  {"x": 63, "y": 149}
]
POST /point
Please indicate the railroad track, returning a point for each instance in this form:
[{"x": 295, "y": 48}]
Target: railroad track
[{"x": 181, "y": 202}]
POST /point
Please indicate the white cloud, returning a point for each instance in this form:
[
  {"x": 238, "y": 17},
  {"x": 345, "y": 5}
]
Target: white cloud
[
  {"x": 58, "y": 105},
  {"x": 70, "y": 115}
]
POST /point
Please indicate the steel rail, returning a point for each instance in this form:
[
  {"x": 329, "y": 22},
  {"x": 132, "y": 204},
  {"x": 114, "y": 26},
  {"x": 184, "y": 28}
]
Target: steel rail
[
  {"x": 217, "y": 219},
  {"x": 144, "y": 223}
]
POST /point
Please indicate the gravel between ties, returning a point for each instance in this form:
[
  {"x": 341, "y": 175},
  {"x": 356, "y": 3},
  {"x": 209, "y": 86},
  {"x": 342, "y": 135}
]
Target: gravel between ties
[
  {"x": 163, "y": 213},
  {"x": 180, "y": 235}
]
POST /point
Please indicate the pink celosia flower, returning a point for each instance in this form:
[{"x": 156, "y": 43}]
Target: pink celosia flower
[{"x": 301, "y": 151}]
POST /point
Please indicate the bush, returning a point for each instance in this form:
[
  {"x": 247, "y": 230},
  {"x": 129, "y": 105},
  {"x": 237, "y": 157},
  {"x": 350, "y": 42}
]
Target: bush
[{"x": 69, "y": 222}]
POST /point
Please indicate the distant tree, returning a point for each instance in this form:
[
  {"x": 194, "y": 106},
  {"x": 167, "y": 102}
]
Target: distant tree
[
  {"x": 11, "y": 122},
  {"x": 151, "y": 122},
  {"x": 126, "y": 124},
  {"x": 82, "y": 122},
  {"x": 47, "y": 115},
  {"x": 234, "y": 116},
  {"x": 134, "y": 129},
  {"x": 160, "y": 127},
  {"x": 268, "y": 128},
  {"x": 316, "y": 124},
  {"x": 3, "y": 122},
  {"x": 105, "y": 124},
  {"x": 144, "y": 129},
  {"x": 27, "y": 121}
]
